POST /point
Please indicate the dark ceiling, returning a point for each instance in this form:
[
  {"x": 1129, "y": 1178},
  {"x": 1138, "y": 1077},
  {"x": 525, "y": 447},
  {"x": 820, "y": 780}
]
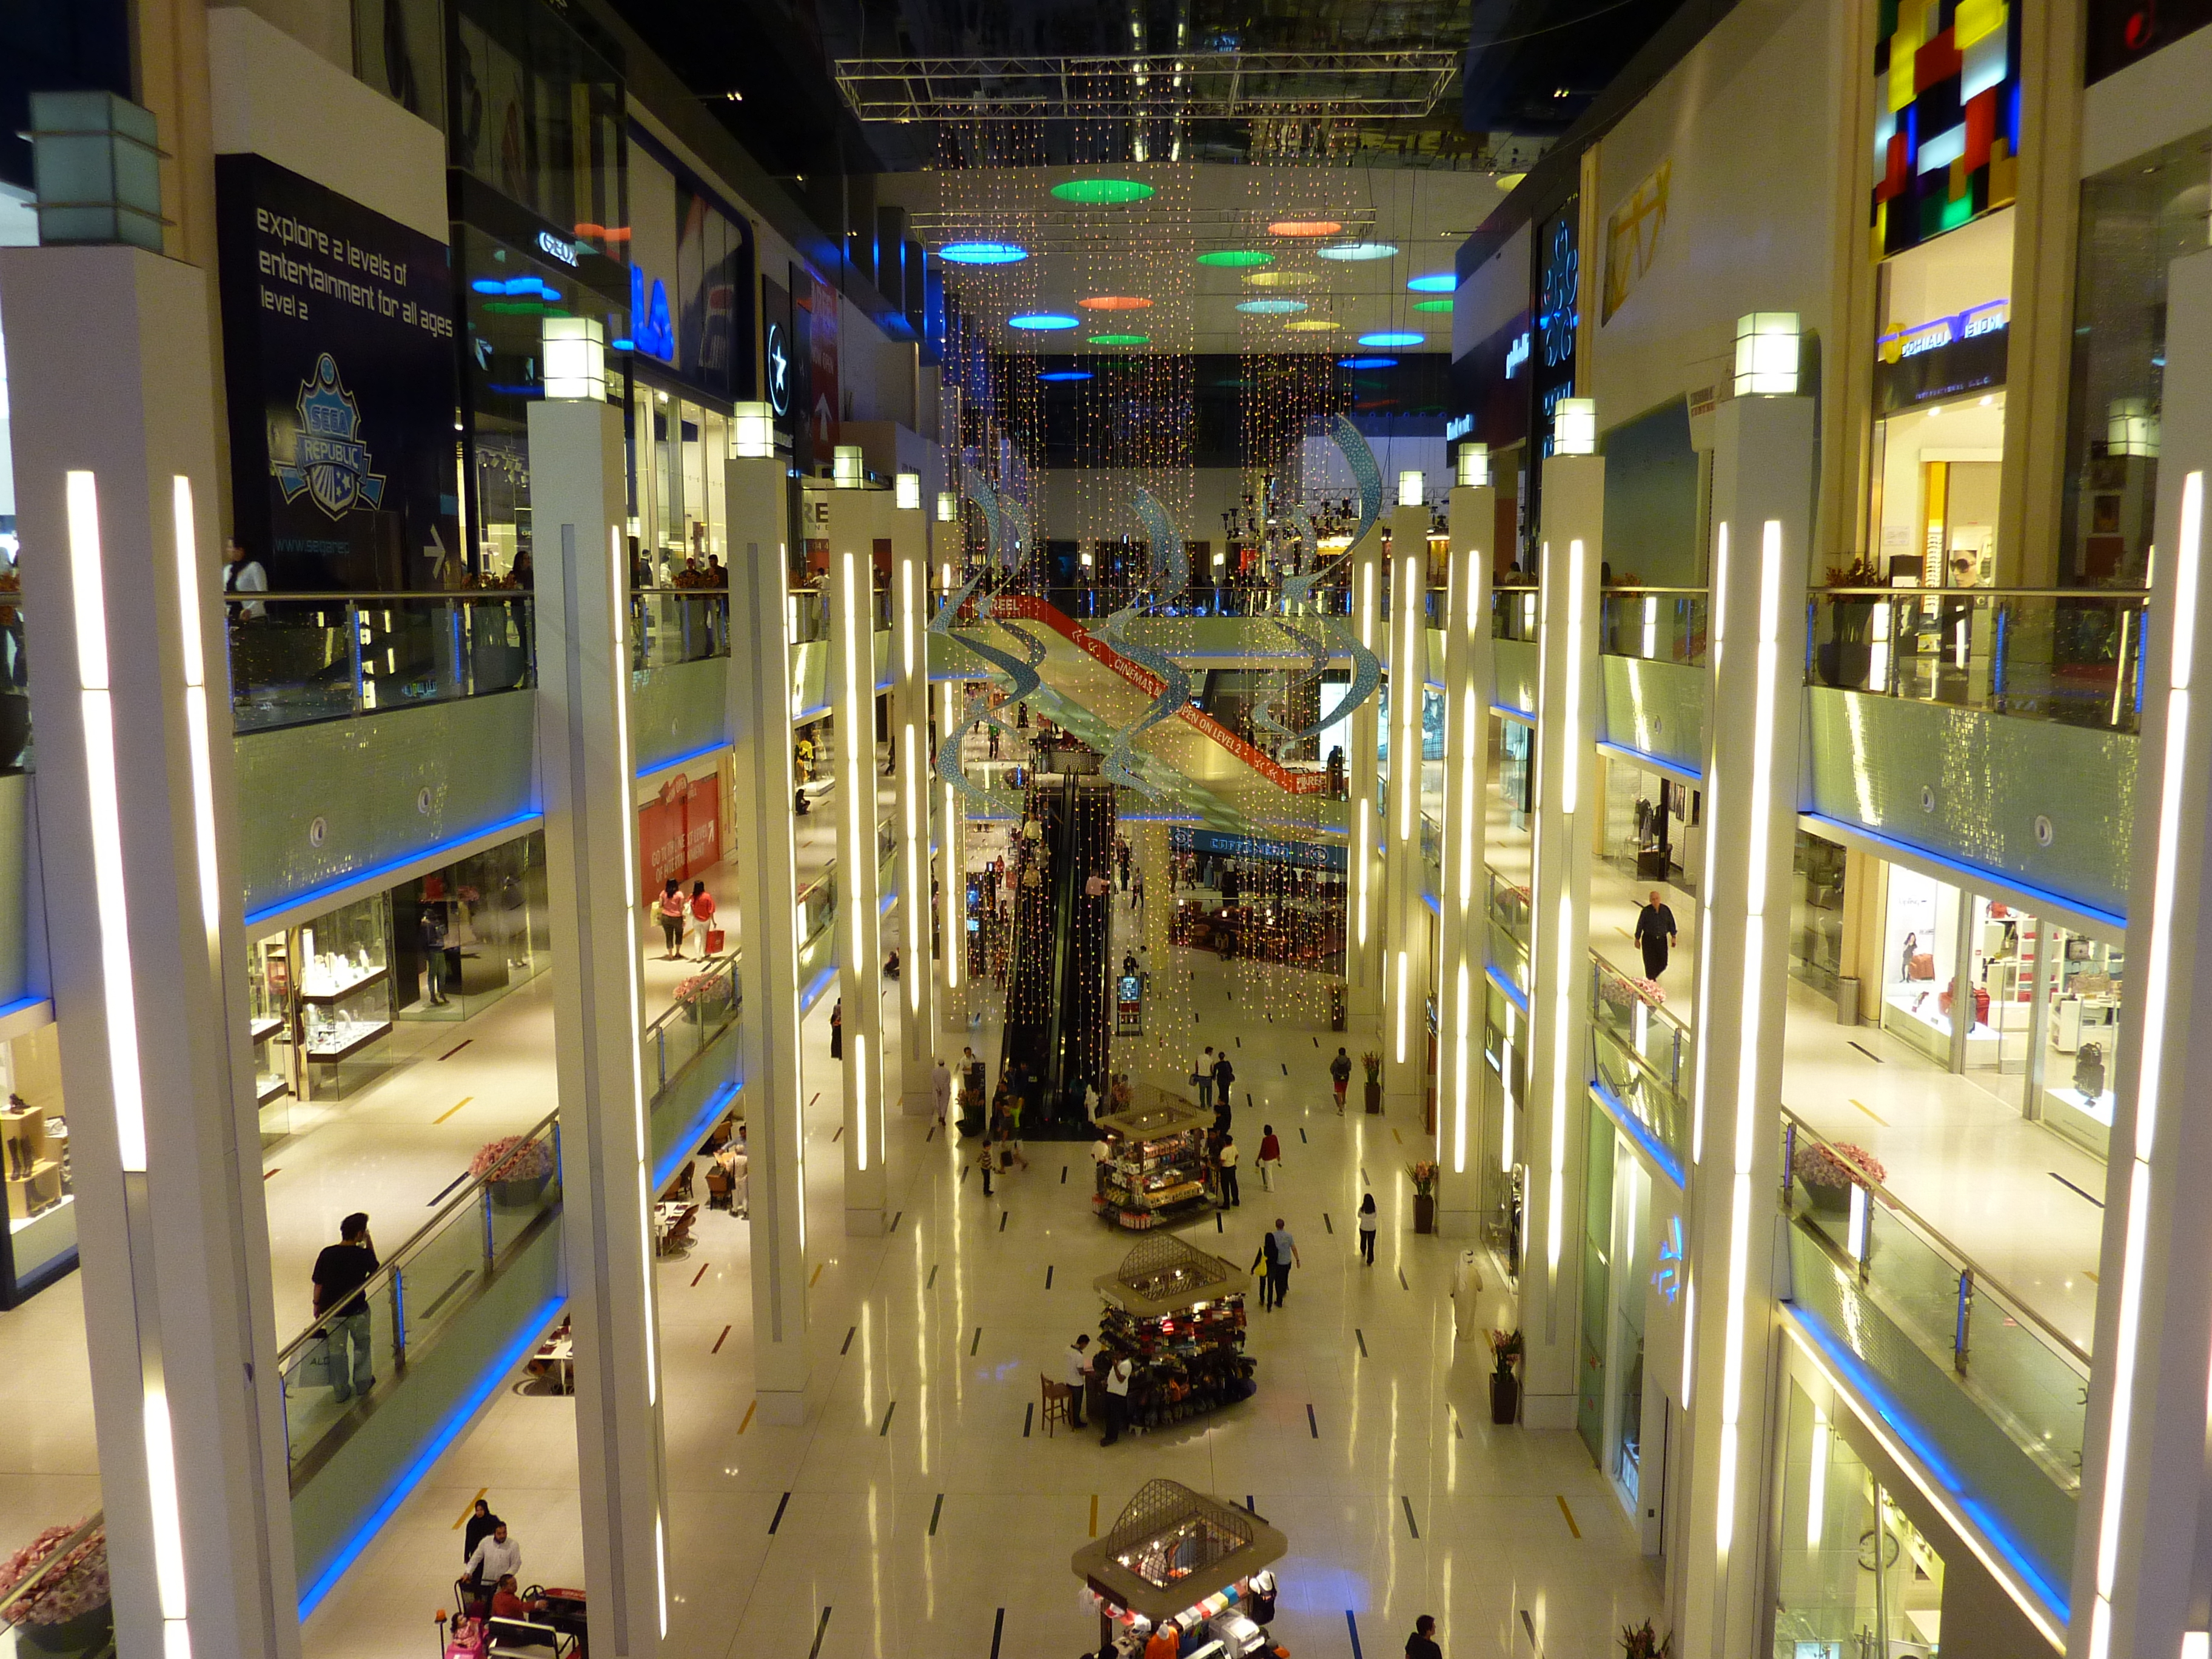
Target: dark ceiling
[{"x": 1534, "y": 66}]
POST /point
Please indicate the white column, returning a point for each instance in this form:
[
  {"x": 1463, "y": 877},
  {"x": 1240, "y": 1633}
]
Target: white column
[
  {"x": 586, "y": 769},
  {"x": 910, "y": 744},
  {"x": 1571, "y": 548},
  {"x": 768, "y": 886},
  {"x": 1363, "y": 895},
  {"x": 851, "y": 515},
  {"x": 1762, "y": 542},
  {"x": 1405, "y": 934},
  {"x": 111, "y": 381},
  {"x": 2140, "y": 1570},
  {"x": 1462, "y": 994},
  {"x": 952, "y": 868}
]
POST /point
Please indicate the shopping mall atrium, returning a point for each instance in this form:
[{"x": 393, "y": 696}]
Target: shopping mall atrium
[{"x": 910, "y": 647}]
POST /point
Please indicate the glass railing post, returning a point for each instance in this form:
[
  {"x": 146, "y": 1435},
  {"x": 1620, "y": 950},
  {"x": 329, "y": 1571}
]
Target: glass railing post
[
  {"x": 1789, "y": 1161},
  {"x": 353, "y": 621},
  {"x": 399, "y": 1316},
  {"x": 490, "y": 1239},
  {"x": 1966, "y": 1319}
]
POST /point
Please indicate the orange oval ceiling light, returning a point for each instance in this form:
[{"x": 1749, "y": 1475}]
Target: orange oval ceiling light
[
  {"x": 1115, "y": 302},
  {"x": 1304, "y": 228}
]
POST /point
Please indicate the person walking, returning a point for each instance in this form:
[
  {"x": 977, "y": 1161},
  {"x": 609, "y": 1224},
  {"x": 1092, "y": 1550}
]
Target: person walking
[
  {"x": 1117, "y": 1398},
  {"x": 433, "y": 931},
  {"x": 1339, "y": 1072},
  {"x": 837, "y": 1030},
  {"x": 1367, "y": 1228},
  {"x": 481, "y": 1523},
  {"x": 1263, "y": 1269},
  {"x": 1078, "y": 1377},
  {"x": 1224, "y": 1080},
  {"x": 493, "y": 1558},
  {"x": 1202, "y": 1075},
  {"x": 941, "y": 1088},
  {"x": 1285, "y": 1257},
  {"x": 988, "y": 1163},
  {"x": 1137, "y": 890},
  {"x": 669, "y": 910},
  {"x": 1122, "y": 857},
  {"x": 341, "y": 1269},
  {"x": 1226, "y": 1159},
  {"x": 1654, "y": 931},
  {"x": 1271, "y": 1157},
  {"x": 701, "y": 920},
  {"x": 1422, "y": 1644}
]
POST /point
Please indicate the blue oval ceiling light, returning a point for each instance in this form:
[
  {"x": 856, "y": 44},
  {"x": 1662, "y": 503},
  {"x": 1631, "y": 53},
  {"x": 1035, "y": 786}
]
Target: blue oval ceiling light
[
  {"x": 1353, "y": 252},
  {"x": 1393, "y": 338},
  {"x": 1045, "y": 321},
  {"x": 1270, "y": 307},
  {"x": 1434, "y": 282},
  {"x": 1060, "y": 376},
  {"x": 1367, "y": 362},
  {"x": 983, "y": 254}
]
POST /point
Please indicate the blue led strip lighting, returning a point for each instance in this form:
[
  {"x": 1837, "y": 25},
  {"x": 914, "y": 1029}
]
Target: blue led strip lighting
[
  {"x": 687, "y": 1142},
  {"x": 448, "y": 1430},
  {"x": 351, "y": 878},
  {"x": 714, "y": 748},
  {"x": 812, "y": 993},
  {"x": 1640, "y": 1131},
  {"x": 1514, "y": 993},
  {"x": 1971, "y": 873},
  {"x": 1656, "y": 762}
]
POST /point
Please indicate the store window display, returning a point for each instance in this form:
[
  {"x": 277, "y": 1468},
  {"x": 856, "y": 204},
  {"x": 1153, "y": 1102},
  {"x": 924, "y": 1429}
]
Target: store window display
[
  {"x": 1920, "y": 958},
  {"x": 41, "y": 1236},
  {"x": 1853, "y": 1574},
  {"x": 1816, "y": 912},
  {"x": 466, "y": 935},
  {"x": 328, "y": 982}
]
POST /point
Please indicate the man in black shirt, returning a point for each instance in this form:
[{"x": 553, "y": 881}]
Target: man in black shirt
[
  {"x": 340, "y": 1272},
  {"x": 1422, "y": 1644},
  {"x": 1654, "y": 931}
]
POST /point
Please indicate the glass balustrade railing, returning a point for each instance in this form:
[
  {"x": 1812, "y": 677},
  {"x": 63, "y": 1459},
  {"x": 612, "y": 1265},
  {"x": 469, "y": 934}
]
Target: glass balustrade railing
[
  {"x": 1508, "y": 906},
  {"x": 2027, "y": 1377},
  {"x": 1513, "y": 612},
  {"x": 1657, "y": 624},
  {"x": 818, "y": 907},
  {"x": 299, "y": 658},
  {"x": 57, "y": 1604},
  {"x": 1641, "y": 1055},
  {"x": 706, "y": 1003},
  {"x": 2071, "y": 656},
  {"x": 671, "y": 625},
  {"x": 419, "y": 1290}
]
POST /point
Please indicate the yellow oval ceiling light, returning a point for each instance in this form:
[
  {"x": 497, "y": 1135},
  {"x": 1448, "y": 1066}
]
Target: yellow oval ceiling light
[
  {"x": 1291, "y": 279},
  {"x": 1310, "y": 325}
]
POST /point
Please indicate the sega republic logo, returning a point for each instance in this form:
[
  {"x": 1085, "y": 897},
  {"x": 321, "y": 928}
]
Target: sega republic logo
[{"x": 330, "y": 463}]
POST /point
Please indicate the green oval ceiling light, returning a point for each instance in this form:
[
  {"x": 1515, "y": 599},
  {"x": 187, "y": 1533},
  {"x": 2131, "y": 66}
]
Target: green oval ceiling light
[
  {"x": 1236, "y": 259},
  {"x": 1119, "y": 339},
  {"x": 1102, "y": 192},
  {"x": 1432, "y": 305}
]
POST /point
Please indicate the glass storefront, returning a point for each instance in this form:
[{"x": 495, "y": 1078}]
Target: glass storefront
[
  {"x": 1816, "y": 912},
  {"x": 1505, "y": 1086},
  {"x": 320, "y": 997},
  {"x": 1651, "y": 824},
  {"x": 1854, "y": 1576},
  {"x": 466, "y": 935},
  {"x": 1920, "y": 953},
  {"x": 41, "y": 1237},
  {"x": 1617, "y": 1249}
]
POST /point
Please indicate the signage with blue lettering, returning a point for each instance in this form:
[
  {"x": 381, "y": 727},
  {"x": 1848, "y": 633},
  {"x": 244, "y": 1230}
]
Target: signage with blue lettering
[{"x": 650, "y": 329}]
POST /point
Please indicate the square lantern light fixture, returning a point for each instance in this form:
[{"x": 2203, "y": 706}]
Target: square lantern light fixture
[
  {"x": 2130, "y": 430},
  {"x": 848, "y": 467},
  {"x": 1409, "y": 488},
  {"x": 948, "y": 506},
  {"x": 96, "y": 167},
  {"x": 575, "y": 358},
  {"x": 1574, "y": 427},
  {"x": 752, "y": 431},
  {"x": 908, "y": 485},
  {"x": 1766, "y": 353},
  {"x": 1474, "y": 465}
]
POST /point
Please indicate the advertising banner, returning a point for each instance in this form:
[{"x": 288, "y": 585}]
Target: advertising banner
[
  {"x": 338, "y": 366},
  {"x": 680, "y": 833}
]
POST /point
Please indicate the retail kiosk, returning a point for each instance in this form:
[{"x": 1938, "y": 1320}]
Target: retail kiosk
[
  {"x": 1157, "y": 1173},
  {"x": 1180, "y": 1566},
  {"x": 1178, "y": 1314}
]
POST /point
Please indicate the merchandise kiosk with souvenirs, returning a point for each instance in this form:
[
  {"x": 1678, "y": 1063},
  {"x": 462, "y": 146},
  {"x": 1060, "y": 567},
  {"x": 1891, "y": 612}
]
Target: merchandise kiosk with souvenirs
[
  {"x": 1182, "y": 1573},
  {"x": 1156, "y": 1173},
  {"x": 1178, "y": 1314}
]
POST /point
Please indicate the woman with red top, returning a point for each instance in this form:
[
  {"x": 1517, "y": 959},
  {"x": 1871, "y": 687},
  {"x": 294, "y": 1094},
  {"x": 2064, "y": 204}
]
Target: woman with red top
[
  {"x": 702, "y": 915},
  {"x": 1271, "y": 1157}
]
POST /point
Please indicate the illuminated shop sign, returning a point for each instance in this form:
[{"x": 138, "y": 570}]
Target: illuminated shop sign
[
  {"x": 1944, "y": 358},
  {"x": 1516, "y": 355},
  {"x": 556, "y": 247},
  {"x": 1458, "y": 427},
  {"x": 652, "y": 331},
  {"x": 1989, "y": 318}
]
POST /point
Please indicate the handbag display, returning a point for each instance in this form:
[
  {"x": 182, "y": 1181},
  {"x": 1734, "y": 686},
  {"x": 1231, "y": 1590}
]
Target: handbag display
[
  {"x": 2089, "y": 1071},
  {"x": 1922, "y": 965}
]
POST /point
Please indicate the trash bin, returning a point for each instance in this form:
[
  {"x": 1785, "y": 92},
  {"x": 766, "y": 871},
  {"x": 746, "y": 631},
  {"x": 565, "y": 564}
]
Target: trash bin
[{"x": 1847, "y": 1002}]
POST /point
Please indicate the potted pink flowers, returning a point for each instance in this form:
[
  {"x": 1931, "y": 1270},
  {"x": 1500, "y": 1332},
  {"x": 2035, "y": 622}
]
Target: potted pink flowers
[
  {"x": 67, "y": 1610},
  {"x": 1828, "y": 1173},
  {"x": 516, "y": 1168}
]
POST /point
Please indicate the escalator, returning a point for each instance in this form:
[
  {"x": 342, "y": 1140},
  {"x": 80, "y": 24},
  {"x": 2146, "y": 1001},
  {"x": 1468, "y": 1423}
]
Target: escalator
[{"x": 1058, "y": 1013}]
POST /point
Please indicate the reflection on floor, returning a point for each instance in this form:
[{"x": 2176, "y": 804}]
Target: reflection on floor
[{"x": 927, "y": 1348}]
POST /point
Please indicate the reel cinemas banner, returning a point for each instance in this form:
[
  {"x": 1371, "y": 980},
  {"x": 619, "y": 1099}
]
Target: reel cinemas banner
[{"x": 338, "y": 363}]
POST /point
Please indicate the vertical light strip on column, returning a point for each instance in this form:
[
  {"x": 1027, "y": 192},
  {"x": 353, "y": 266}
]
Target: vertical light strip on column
[
  {"x": 1717, "y": 632},
  {"x": 2172, "y": 782},
  {"x": 1459, "y": 1062},
  {"x": 1359, "y": 843},
  {"x": 853, "y": 713},
  {"x": 916, "y": 902},
  {"x": 1406, "y": 710},
  {"x": 1566, "y": 976},
  {"x": 1759, "y": 846},
  {"x": 956, "y": 878},
  {"x": 194, "y": 660}
]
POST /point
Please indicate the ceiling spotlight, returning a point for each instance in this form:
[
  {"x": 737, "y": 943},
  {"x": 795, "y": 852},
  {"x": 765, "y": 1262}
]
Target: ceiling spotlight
[
  {"x": 1432, "y": 305},
  {"x": 1311, "y": 325},
  {"x": 1102, "y": 192},
  {"x": 1043, "y": 321},
  {"x": 1236, "y": 258},
  {"x": 1367, "y": 362},
  {"x": 983, "y": 254},
  {"x": 1354, "y": 252},
  {"x": 1434, "y": 282},
  {"x": 1115, "y": 302},
  {"x": 1119, "y": 339},
  {"x": 1392, "y": 337},
  {"x": 1059, "y": 376},
  {"x": 1281, "y": 279},
  {"x": 1270, "y": 307},
  {"x": 1304, "y": 228}
]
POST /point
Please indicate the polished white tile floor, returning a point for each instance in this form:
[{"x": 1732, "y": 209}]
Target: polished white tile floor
[{"x": 917, "y": 1506}]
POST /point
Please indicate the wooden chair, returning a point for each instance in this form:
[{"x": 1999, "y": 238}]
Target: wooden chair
[
  {"x": 684, "y": 1180},
  {"x": 718, "y": 1187},
  {"x": 1058, "y": 1403}
]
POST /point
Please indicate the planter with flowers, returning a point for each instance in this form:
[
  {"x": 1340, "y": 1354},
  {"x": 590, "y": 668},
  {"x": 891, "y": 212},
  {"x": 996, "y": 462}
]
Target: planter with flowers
[
  {"x": 67, "y": 1608},
  {"x": 1371, "y": 1063},
  {"x": 703, "y": 996},
  {"x": 1828, "y": 1173},
  {"x": 1423, "y": 1175},
  {"x": 516, "y": 1168},
  {"x": 1504, "y": 1380}
]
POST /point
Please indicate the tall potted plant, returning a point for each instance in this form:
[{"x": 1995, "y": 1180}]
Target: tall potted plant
[
  {"x": 1504, "y": 1380},
  {"x": 68, "y": 1609},
  {"x": 1371, "y": 1063},
  {"x": 516, "y": 1168},
  {"x": 1423, "y": 1175},
  {"x": 1846, "y": 656},
  {"x": 1642, "y": 1642}
]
